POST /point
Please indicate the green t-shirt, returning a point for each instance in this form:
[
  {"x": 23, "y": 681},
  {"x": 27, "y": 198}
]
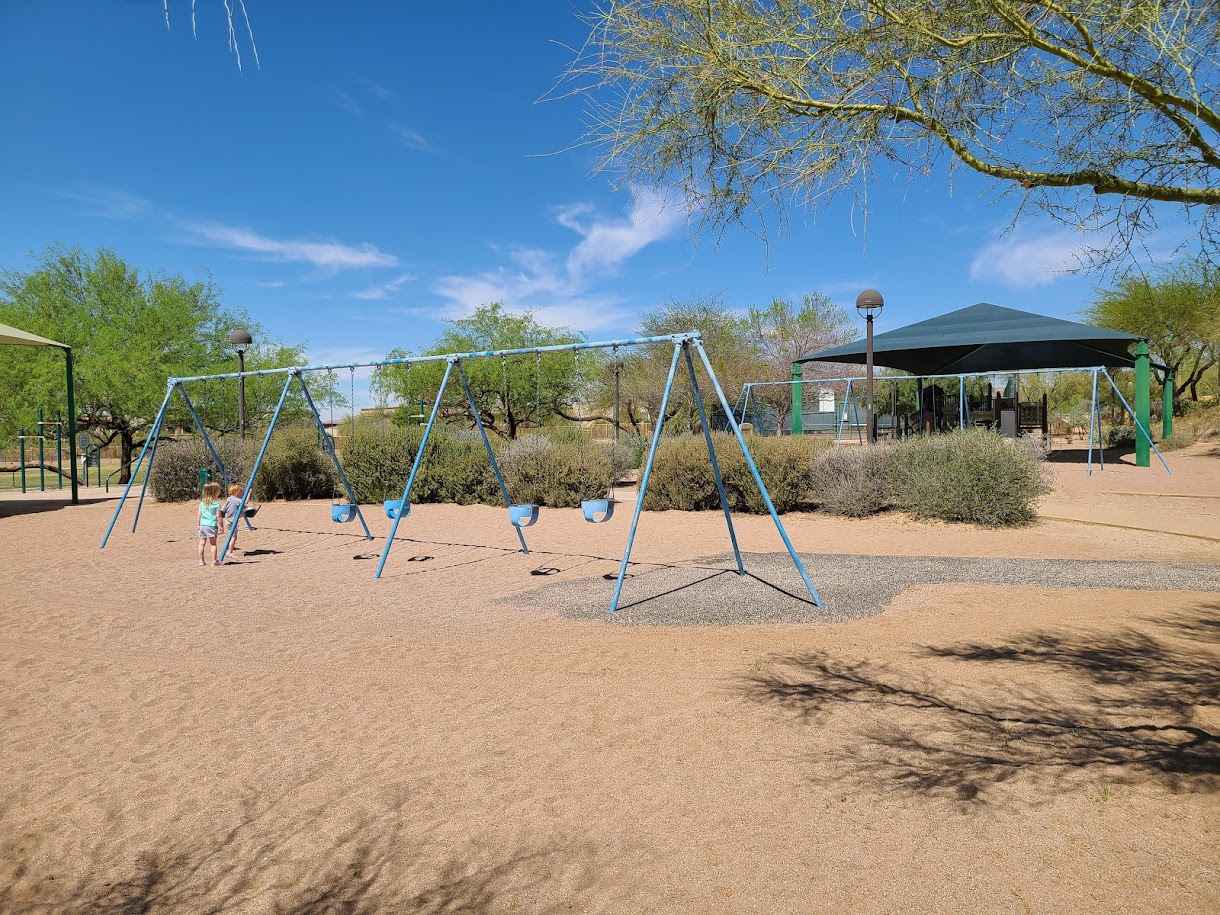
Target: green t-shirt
[{"x": 207, "y": 513}]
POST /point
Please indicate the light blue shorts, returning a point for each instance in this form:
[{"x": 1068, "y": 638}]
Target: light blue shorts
[{"x": 206, "y": 533}]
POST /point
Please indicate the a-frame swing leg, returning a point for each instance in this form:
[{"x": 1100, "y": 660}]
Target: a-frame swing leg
[
  {"x": 156, "y": 429},
  {"x": 1093, "y": 425},
  {"x": 762, "y": 489},
  {"x": 639, "y": 502},
  {"x": 419, "y": 458},
  {"x": 1138, "y": 425},
  {"x": 330, "y": 450},
  {"x": 474, "y": 409},
  {"x": 711, "y": 452},
  {"x": 152, "y": 454},
  {"x": 245, "y": 496},
  {"x": 208, "y": 441}
]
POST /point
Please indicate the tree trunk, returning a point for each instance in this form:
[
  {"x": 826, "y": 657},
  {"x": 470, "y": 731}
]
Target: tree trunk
[{"x": 127, "y": 454}]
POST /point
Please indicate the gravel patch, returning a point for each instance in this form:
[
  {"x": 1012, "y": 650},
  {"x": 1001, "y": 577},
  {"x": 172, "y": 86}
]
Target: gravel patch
[{"x": 852, "y": 586}]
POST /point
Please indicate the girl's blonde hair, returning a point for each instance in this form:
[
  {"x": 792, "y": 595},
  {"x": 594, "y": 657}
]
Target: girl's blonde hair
[
  {"x": 235, "y": 489},
  {"x": 211, "y": 492}
]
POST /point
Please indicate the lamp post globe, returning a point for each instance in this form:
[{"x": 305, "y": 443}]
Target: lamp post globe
[
  {"x": 869, "y": 303},
  {"x": 240, "y": 340}
]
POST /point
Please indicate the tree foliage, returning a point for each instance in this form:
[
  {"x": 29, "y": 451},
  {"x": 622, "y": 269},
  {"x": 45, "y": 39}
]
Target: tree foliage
[
  {"x": 129, "y": 332},
  {"x": 1178, "y": 312},
  {"x": 512, "y": 394},
  {"x": 1090, "y": 109}
]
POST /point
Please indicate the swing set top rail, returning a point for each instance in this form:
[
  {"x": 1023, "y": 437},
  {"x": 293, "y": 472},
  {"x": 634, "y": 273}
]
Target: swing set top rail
[{"x": 691, "y": 336}]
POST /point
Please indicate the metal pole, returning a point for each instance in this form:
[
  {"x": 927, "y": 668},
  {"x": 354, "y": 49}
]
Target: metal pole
[
  {"x": 132, "y": 478},
  {"x": 155, "y": 432},
  {"x": 617, "y": 393},
  {"x": 762, "y": 488},
  {"x": 224, "y": 474},
  {"x": 241, "y": 395},
  {"x": 241, "y": 508},
  {"x": 1092, "y": 421},
  {"x": 478, "y": 421},
  {"x": 868, "y": 378},
  {"x": 711, "y": 451},
  {"x": 72, "y": 425},
  {"x": 330, "y": 449},
  {"x": 21, "y": 455},
  {"x": 658, "y": 422},
  {"x": 798, "y": 399},
  {"x": 59, "y": 449},
  {"x": 1167, "y": 406},
  {"x": 419, "y": 457},
  {"x": 42, "y": 456},
  {"x": 961, "y": 402}
]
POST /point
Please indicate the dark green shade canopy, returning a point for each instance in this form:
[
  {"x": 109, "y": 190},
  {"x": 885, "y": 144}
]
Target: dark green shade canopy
[{"x": 989, "y": 338}]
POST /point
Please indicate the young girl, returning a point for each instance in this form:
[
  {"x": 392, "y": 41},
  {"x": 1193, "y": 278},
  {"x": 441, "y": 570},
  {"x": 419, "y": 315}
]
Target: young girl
[
  {"x": 210, "y": 520},
  {"x": 229, "y": 511}
]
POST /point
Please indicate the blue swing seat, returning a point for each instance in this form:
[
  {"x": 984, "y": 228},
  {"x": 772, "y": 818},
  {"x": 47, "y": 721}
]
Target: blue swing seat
[
  {"x": 340, "y": 513},
  {"x": 397, "y": 508},
  {"x": 523, "y": 515},
  {"x": 597, "y": 510}
]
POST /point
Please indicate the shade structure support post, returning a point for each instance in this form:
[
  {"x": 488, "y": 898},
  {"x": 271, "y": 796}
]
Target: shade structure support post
[
  {"x": 798, "y": 399},
  {"x": 711, "y": 452},
  {"x": 419, "y": 459},
  {"x": 245, "y": 496},
  {"x": 758, "y": 480},
  {"x": 1141, "y": 428},
  {"x": 645, "y": 476},
  {"x": 72, "y": 424},
  {"x": 330, "y": 450},
  {"x": 961, "y": 402},
  {"x": 140, "y": 460},
  {"x": 224, "y": 474},
  {"x": 1143, "y": 403},
  {"x": 495, "y": 465}
]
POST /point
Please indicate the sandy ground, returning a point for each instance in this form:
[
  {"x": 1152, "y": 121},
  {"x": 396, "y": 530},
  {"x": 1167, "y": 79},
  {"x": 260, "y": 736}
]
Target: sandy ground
[{"x": 287, "y": 735}]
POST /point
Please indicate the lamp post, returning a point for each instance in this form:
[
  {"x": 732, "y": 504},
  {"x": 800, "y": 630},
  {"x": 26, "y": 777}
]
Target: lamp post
[
  {"x": 869, "y": 303},
  {"x": 240, "y": 340}
]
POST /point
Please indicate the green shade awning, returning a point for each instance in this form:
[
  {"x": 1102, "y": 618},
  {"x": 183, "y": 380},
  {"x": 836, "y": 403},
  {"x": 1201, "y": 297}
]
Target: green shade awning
[
  {"x": 989, "y": 338},
  {"x": 11, "y": 335}
]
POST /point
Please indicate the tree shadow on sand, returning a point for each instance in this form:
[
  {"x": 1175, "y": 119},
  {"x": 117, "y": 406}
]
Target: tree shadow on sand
[
  {"x": 1054, "y": 706},
  {"x": 372, "y": 867}
]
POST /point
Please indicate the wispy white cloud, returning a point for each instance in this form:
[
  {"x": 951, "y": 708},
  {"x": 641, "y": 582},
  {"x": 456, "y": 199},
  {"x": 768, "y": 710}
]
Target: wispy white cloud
[
  {"x": 271, "y": 284},
  {"x": 107, "y": 202},
  {"x": 327, "y": 255},
  {"x": 384, "y": 290},
  {"x": 412, "y": 139},
  {"x": 346, "y": 101},
  {"x": 377, "y": 91},
  {"x": 1025, "y": 259},
  {"x": 561, "y": 288}
]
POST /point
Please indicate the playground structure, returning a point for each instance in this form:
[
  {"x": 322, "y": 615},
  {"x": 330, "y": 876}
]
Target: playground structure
[
  {"x": 686, "y": 346},
  {"x": 938, "y": 408}
]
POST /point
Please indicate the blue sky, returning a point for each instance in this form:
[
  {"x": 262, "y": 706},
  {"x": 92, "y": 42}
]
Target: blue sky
[{"x": 389, "y": 166}]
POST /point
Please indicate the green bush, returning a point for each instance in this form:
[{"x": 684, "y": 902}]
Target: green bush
[
  {"x": 854, "y": 481},
  {"x": 175, "y": 471},
  {"x": 976, "y": 476},
  {"x": 1118, "y": 437},
  {"x": 296, "y": 467},
  {"x": 377, "y": 463},
  {"x": 454, "y": 467},
  {"x": 682, "y": 476},
  {"x": 1183, "y": 437},
  {"x": 541, "y": 471}
]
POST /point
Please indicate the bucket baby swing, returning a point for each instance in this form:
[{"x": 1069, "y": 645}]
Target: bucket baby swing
[{"x": 345, "y": 511}]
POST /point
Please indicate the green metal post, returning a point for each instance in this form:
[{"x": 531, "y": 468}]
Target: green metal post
[
  {"x": 798, "y": 399},
  {"x": 42, "y": 456},
  {"x": 72, "y": 427},
  {"x": 1143, "y": 403},
  {"x": 1167, "y": 406},
  {"x": 21, "y": 455},
  {"x": 59, "y": 448}
]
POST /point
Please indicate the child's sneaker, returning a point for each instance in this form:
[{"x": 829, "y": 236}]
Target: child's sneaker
[
  {"x": 202, "y": 563},
  {"x": 217, "y": 563}
]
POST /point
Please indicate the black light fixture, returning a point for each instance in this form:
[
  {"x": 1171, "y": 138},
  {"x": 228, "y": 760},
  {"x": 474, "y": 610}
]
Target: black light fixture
[
  {"x": 869, "y": 303},
  {"x": 240, "y": 340}
]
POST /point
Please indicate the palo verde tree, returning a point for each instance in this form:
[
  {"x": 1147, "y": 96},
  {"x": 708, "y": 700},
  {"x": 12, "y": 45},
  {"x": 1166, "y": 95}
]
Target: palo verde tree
[
  {"x": 1178, "y": 312},
  {"x": 128, "y": 332},
  {"x": 514, "y": 394},
  {"x": 1092, "y": 110}
]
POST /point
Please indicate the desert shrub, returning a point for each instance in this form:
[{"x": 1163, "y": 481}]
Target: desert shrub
[
  {"x": 454, "y": 468},
  {"x": 296, "y": 467},
  {"x": 540, "y": 470},
  {"x": 378, "y": 462},
  {"x": 1183, "y": 437},
  {"x": 975, "y": 476},
  {"x": 636, "y": 445},
  {"x": 175, "y": 472},
  {"x": 1118, "y": 437},
  {"x": 682, "y": 473},
  {"x": 853, "y": 481}
]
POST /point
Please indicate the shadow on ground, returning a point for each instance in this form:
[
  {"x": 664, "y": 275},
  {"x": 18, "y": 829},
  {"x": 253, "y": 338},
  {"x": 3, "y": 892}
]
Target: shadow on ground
[
  {"x": 22, "y": 505},
  {"x": 1047, "y": 707},
  {"x": 259, "y": 864}
]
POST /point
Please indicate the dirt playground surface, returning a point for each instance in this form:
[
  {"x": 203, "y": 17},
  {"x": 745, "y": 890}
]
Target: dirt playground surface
[{"x": 286, "y": 735}]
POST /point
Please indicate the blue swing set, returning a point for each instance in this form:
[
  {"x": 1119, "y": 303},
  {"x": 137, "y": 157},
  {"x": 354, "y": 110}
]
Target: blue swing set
[{"x": 686, "y": 346}]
